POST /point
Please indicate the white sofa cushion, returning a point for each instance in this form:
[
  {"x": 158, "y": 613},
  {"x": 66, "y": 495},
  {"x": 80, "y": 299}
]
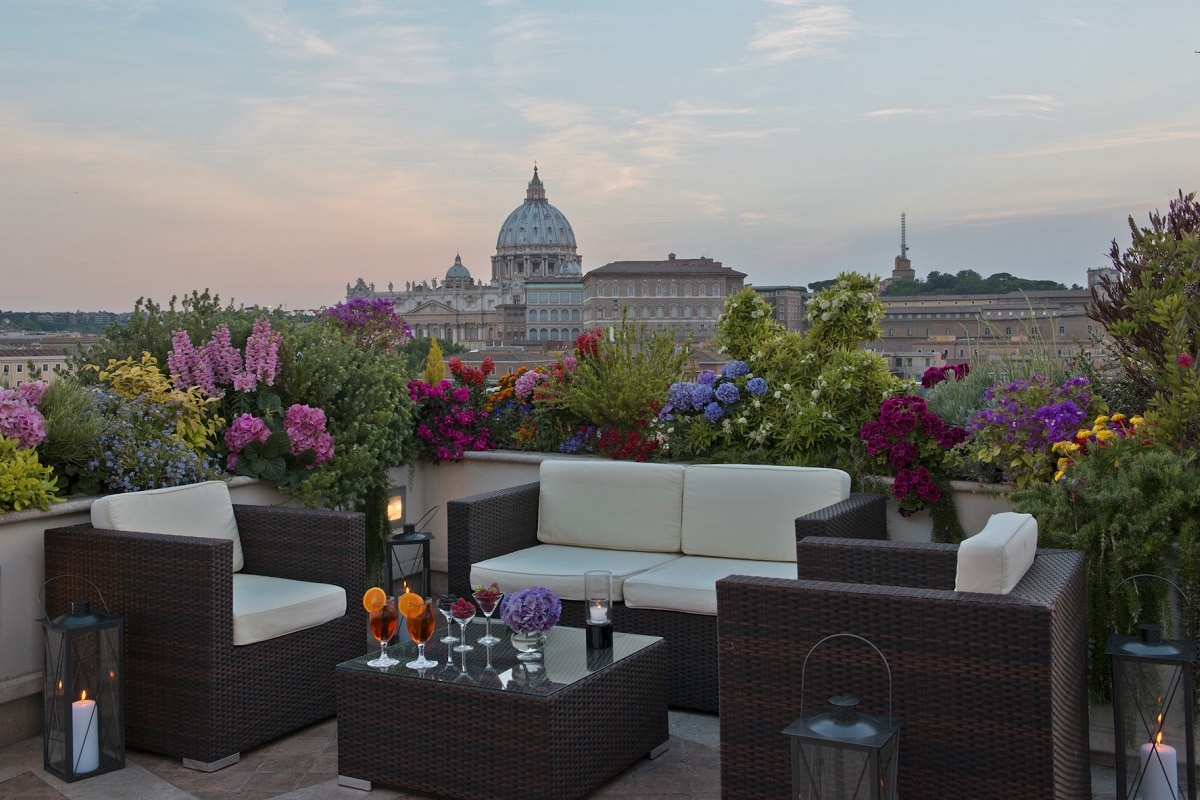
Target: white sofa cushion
[
  {"x": 196, "y": 509},
  {"x": 266, "y": 607},
  {"x": 689, "y": 584},
  {"x": 994, "y": 560},
  {"x": 617, "y": 505},
  {"x": 560, "y": 568},
  {"x": 749, "y": 511}
]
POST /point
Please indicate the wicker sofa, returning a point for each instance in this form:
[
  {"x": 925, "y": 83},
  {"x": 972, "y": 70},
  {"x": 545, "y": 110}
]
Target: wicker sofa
[
  {"x": 666, "y": 532},
  {"x": 191, "y": 689},
  {"x": 991, "y": 687}
]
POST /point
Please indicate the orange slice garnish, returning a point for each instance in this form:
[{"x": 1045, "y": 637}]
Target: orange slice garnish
[
  {"x": 374, "y": 599},
  {"x": 411, "y": 605}
]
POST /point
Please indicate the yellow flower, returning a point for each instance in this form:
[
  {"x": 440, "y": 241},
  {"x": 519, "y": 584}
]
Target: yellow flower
[
  {"x": 1082, "y": 434},
  {"x": 1063, "y": 463},
  {"x": 1100, "y": 422},
  {"x": 1137, "y": 420},
  {"x": 1118, "y": 417},
  {"x": 1062, "y": 448},
  {"x": 1105, "y": 435}
]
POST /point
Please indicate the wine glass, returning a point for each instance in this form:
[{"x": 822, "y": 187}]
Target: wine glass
[
  {"x": 383, "y": 628},
  {"x": 420, "y": 628},
  {"x": 464, "y": 612},
  {"x": 444, "y": 605},
  {"x": 489, "y": 601}
]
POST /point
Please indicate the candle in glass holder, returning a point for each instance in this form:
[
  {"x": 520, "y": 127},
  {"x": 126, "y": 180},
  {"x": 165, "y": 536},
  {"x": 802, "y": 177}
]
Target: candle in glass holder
[
  {"x": 597, "y": 613},
  {"x": 85, "y": 748},
  {"x": 1159, "y": 776}
]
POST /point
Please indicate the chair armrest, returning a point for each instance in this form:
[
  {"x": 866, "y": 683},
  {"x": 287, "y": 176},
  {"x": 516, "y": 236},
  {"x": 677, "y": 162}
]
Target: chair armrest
[
  {"x": 923, "y": 565},
  {"x": 174, "y": 588},
  {"x": 487, "y": 525},
  {"x": 304, "y": 544},
  {"x": 861, "y": 516}
]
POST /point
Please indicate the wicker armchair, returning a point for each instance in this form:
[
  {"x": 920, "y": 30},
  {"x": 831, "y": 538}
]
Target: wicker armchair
[
  {"x": 991, "y": 688},
  {"x": 189, "y": 692}
]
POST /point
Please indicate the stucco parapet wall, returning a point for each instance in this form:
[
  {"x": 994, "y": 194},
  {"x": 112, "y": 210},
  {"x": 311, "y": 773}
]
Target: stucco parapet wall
[{"x": 79, "y": 505}]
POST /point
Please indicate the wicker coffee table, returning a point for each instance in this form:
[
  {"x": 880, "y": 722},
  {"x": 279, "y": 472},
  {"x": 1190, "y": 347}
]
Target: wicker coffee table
[{"x": 465, "y": 730}]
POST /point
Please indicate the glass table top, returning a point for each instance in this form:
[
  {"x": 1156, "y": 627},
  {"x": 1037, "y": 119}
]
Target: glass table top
[{"x": 566, "y": 659}]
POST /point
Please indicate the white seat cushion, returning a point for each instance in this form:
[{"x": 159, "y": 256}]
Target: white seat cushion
[
  {"x": 266, "y": 607},
  {"x": 619, "y": 505},
  {"x": 749, "y": 511},
  {"x": 196, "y": 509},
  {"x": 689, "y": 584},
  {"x": 994, "y": 560},
  {"x": 560, "y": 568}
]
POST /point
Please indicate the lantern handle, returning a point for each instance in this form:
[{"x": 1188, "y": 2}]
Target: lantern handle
[
  {"x": 1112, "y": 598},
  {"x": 47, "y": 582},
  {"x": 886, "y": 666}
]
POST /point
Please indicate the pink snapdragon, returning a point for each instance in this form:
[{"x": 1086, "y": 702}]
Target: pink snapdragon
[{"x": 262, "y": 356}]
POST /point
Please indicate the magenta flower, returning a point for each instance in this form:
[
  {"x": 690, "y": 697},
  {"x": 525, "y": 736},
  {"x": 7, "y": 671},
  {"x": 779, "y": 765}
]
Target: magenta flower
[{"x": 1185, "y": 360}]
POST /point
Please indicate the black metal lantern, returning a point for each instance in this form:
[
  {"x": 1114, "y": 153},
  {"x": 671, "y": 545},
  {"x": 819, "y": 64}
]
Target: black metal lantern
[
  {"x": 83, "y": 694},
  {"x": 840, "y": 753},
  {"x": 401, "y": 542},
  {"x": 1152, "y": 709}
]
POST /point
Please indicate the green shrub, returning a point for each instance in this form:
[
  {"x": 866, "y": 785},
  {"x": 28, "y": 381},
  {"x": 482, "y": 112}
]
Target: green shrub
[{"x": 24, "y": 481}]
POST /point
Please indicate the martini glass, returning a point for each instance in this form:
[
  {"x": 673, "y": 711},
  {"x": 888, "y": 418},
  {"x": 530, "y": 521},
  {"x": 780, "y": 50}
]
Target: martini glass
[
  {"x": 463, "y": 618},
  {"x": 488, "y": 603},
  {"x": 443, "y": 605}
]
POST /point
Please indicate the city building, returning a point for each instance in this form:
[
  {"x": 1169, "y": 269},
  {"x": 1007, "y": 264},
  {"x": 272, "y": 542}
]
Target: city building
[
  {"x": 681, "y": 294},
  {"x": 28, "y": 357}
]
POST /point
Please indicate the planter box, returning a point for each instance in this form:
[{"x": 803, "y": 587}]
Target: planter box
[{"x": 975, "y": 503}]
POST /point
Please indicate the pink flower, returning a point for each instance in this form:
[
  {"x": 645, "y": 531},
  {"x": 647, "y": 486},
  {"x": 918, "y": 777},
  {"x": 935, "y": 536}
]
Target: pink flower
[
  {"x": 262, "y": 354},
  {"x": 305, "y": 426},
  {"x": 32, "y": 392},
  {"x": 181, "y": 361},
  {"x": 1185, "y": 360},
  {"x": 245, "y": 429},
  {"x": 223, "y": 359}
]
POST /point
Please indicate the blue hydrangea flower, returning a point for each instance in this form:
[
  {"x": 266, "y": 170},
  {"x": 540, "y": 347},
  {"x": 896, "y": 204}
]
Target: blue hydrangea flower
[
  {"x": 734, "y": 369},
  {"x": 713, "y": 412},
  {"x": 756, "y": 386},
  {"x": 706, "y": 378},
  {"x": 727, "y": 393},
  {"x": 702, "y": 395}
]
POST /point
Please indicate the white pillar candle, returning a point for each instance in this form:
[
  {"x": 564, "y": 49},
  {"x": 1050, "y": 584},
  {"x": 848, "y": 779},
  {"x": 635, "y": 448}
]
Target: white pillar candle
[
  {"x": 597, "y": 612},
  {"x": 85, "y": 736},
  {"x": 1159, "y": 777}
]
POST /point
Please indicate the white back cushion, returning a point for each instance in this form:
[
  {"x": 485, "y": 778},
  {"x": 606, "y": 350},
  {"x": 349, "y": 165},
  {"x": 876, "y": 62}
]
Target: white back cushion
[
  {"x": 749, "y": 511},
  {"x": 197, "y": 509},
  {"x": 994, "y": 560},
  {"x": 618, "y": 505}
]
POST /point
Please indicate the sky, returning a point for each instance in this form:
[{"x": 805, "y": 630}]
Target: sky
[{"x": 272, "y": 152}]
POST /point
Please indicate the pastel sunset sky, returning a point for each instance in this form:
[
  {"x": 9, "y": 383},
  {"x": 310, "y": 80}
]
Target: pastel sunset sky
[{"x": 274, "y": 151}]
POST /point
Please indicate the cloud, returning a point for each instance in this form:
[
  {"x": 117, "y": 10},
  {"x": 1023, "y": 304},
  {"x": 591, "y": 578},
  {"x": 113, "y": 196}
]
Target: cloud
[
  {"x": 1019, "y": 105},
  {"x": 283, "y": 31},
  {"x": 897, "y": 112},
  {"x": 803, "y": 29}
]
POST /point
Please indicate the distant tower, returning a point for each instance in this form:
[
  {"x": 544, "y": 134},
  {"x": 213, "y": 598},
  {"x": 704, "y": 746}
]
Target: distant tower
[{"x": 903, "y": 270}]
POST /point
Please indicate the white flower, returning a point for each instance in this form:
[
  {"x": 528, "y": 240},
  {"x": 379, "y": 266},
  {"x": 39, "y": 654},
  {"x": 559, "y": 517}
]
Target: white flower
[
  {"x": 742, "y": 420},
  {"x": 816, "y": 393},
  {"x": 787, "y": 387},
  {"x": 778, "y": 394}
]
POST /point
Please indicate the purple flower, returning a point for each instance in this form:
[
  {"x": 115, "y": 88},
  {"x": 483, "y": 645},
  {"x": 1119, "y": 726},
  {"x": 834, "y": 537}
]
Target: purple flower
[
  {"x": 533, "y": 609},
  {"x": 727, "y": 393},
  {"x": 702, "y": 395},
  {"x": 734, "y": 369},
  {"x": 707, "y": 378},
  {"x": 713, "y": 412},
  {"x": 756, "y": 386}
]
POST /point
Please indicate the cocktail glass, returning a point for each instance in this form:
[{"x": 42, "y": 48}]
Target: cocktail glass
[
  {"x": 463, "y": 618},
  {"x": 488, "y": 603},
  {"x": 420, "y": 628},
  {"x": 383, "y": 628},
  {"x": 443, "y": 605}
]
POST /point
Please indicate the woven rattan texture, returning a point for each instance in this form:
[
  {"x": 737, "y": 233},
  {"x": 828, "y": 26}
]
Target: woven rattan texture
[
  {"x": 400, "y": 731},
  {"x": 188, "y": 691},
  {"x": 504, "y": 521},
  {"x": 991, "y": 688}
]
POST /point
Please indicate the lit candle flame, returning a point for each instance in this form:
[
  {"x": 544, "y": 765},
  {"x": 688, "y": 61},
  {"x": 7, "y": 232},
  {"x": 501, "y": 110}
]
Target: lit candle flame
[
  {"x": 1158, "y": 738},
  {"x": 83, "y": 695}
]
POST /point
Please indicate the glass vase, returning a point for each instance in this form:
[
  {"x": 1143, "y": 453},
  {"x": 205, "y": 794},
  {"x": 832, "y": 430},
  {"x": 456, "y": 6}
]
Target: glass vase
[{"x": 529, "y": 646}]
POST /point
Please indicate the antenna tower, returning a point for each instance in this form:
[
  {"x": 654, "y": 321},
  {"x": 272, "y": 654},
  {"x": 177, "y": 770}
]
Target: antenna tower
[{"x": 903, "y": 242}]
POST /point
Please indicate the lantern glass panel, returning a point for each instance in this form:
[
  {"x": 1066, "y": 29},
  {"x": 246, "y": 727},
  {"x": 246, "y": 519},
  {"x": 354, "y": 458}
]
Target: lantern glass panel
[
  {"x": 1153, "y": 723},
  {"x": 83, "y": 698},
  {"x": 827, "y": 768}
]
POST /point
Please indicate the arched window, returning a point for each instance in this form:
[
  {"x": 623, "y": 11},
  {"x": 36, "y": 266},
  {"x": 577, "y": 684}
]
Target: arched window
[
  {"x": 674, "y": 311},
  {"x": 544, "y": 335},
  {"x": 599, "y": 288},
  {"x": 645, "y": 288},
  {"x": 704, "y": 289},
  {"x": 533, "y": 334},
  {"x": 574, "y": 315},
  {"x": 908, "y": 331},
  {"x": 658, "y": 289},
  {"x": 543, "y": 315},
  {"x": 987, "y": 331},
  {"x": 1089, "y": 328},
  {"x": 891, "y": 332},
  {"x": 674, "y": 288},
  {"x": 687, "y": 288},
  {"x": 574, "y": 333},
  {"x": 533, "y": 315},
  {"x": 1008, "y": 330},
  {"x": 1062, "y": 330},
  {"x": 687, "y": 312},
  {"x": 658, "y": 312},
  {"x": 629, "y": 289},
  {"x": 645, "y": 312},
  {"x": 554, "y": 315}
]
